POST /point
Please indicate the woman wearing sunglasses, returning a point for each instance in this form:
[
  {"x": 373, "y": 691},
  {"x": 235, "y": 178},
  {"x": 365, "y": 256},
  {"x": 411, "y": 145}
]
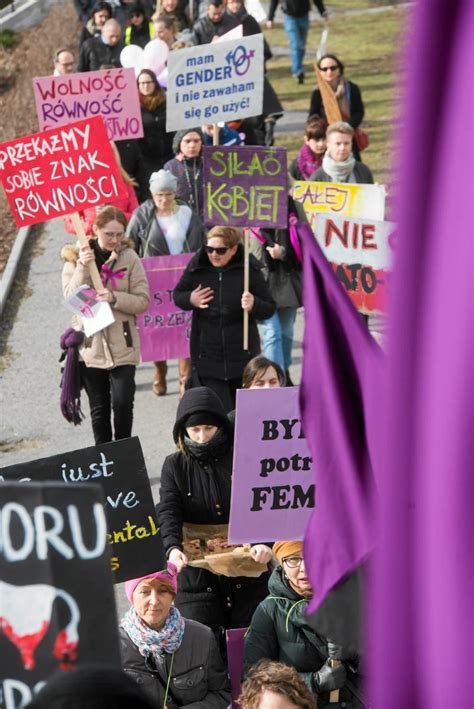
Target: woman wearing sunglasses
[
  {"x": 349, "y": 97},
  {"x": 279, "y": 631},
  {"x": 212, "y": 287}
]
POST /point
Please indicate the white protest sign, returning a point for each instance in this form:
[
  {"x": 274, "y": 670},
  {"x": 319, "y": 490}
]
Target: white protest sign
[
  {"x": 255, "y": 8},
  {"x": 96, "y": 314},
  {"x": 215, "y": 82}
]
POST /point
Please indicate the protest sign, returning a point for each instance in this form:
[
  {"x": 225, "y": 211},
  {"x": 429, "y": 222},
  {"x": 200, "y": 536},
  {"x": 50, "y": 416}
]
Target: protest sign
[
  {"x": 57, "y": 605},
  {"x": 120, "y": 469},
  {"x": 273, "y": 489},
  {"x": 164, "y": 329},
  {"x": 350, "y": 199},
  {"x": 60, "y": 171},
  {"x": 111, "y": 94},
  {"x": 245, "y": 186},
  {"x": 96, "y": 314},
  {"x": 360, "y": 251},
  {"x": 215, "y": 82},
  {"x": 235, "y": 659}
]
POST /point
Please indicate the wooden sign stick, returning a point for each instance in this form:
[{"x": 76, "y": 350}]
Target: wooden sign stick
[
  {"x": 81, "y": 234},
  {"x": 246, "y": 286},
  {"x": 334, "y": 694},
  {"x": 331, "y": 106},
  {"x": 215, "y": 134}
]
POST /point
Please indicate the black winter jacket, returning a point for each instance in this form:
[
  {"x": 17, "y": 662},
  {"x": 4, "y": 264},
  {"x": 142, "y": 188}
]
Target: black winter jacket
[
  {"x": 94, "y": 53},
  {"x": 156, "y": 146},
  {"x": 354, "y": 99},
  {"x": 198, "y": 677},
  {"x": 280, "y": 631},
  {"x": 296, "y": 8},
  {"x": 148, "y": 237},
  {"x": 217, "y": 331},
  {"x": 204, "y": 29}
]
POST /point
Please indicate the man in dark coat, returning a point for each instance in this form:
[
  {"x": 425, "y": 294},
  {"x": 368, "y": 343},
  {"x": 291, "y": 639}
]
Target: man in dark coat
[
  {"x": 103, "y": 50},
  {"x": 215, "y": 23},
  {"x": 212, "y": 286}
]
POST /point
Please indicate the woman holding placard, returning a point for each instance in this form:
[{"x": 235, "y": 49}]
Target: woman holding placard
[
  {"x": 109, "y": 357},
  {"x": 156, "y": 146}
]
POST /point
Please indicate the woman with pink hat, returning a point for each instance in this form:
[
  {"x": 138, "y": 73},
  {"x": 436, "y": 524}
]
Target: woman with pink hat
[{"x": 176, "y": 661}]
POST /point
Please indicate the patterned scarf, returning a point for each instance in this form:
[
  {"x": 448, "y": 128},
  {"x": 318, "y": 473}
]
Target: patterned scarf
[
  {"x": 156, "y": 642},
  {"x": 338, "y": 171},
  {"x": 308, "y": 162}
]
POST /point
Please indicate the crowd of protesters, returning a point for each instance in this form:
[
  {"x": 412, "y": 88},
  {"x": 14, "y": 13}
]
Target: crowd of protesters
[{"x": 172, "y": 637}]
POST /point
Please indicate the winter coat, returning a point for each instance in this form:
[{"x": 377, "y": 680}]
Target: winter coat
[
  {"x": 139, "y": 35},
  {"x": 198, "y": 492},
  {"x": 354, "y": 100},
  {"x": 198, "y": 677},
  {"x": 94, "y": 53},
  {"x": 118, "y": 343},
  {"x": 147, "y": 235},
  {"x": 204, "y": 29},
  {"x": 362, "y": 175},
  {"x": 189, "y": 192},
  {"x": 296, "y": 8},
  {"x": 127, "y": 206},
  {"x": 217, "y": 331},
  {"x": 280, "y": 631},
  {"x": 156, "y": 146}
]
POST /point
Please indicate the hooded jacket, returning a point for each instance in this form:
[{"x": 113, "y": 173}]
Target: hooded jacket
[
  {"x": 117, "y": 344},
  {"x": 280, "y": 631},
  {"x": 217, "y": 331},
  {"x": 147, "y": 235}
]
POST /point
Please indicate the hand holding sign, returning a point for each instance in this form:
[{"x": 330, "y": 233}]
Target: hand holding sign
[
  {"x": 261, "y": 553},
  {"x": 201, "y": 297},
  {"x": 179, "y": 559},
  {"x": 247, "y": 301}
]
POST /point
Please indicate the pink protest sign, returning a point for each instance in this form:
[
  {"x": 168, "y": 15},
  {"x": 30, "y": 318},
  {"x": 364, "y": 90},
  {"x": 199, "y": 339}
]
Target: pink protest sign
[
  {"x": 164, "y": 329},
  {"x": 60, "y": 171},
  {"x": 273, "y": 489},
  {"x": 111, "y": 94}
]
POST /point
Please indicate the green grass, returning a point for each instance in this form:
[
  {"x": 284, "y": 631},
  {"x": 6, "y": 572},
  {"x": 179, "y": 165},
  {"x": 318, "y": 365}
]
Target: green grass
[{"x": 369, "y": 45}]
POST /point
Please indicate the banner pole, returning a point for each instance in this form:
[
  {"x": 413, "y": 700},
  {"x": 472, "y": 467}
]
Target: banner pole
[
  {"x": 215, "y": 134},
  {"x": 246, "y": 286},
  {"x": 334, "y": 694},
  {"x": 84, "y": 241}
]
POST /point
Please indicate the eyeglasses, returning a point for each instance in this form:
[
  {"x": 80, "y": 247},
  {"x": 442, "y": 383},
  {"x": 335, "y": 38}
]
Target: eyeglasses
[
  {"x": 334, "y": 67},
  {"x": 145, "y": 83},
  {"x": 113, "y": 234},
  {"x": 293, "y": 561},
  {"x": 220, "y": 250}
]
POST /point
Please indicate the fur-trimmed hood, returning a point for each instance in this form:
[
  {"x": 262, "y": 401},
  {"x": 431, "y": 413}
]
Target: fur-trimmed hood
[{"x": 70, "y": 252}]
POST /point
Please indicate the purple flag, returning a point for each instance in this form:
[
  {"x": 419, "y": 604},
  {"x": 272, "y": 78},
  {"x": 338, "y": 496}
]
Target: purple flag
[
  {"x": 421, "y": 611},
  {"x": 341, "y": 375}
]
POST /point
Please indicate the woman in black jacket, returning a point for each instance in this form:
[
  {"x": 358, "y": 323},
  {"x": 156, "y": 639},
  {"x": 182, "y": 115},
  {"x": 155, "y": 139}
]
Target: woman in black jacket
[
  {"x": 212, "y": 286},
  {"x": 195, "y": 504}
]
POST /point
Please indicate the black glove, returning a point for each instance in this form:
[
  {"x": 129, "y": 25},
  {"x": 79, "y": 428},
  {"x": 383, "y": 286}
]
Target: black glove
[{"x": 329, "y": 678}]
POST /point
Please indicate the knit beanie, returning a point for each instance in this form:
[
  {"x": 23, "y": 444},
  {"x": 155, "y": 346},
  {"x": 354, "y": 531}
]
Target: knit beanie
[
  {"x": 179, "y": 135},
  {"x": 169, "y": 576},
  {"x": 202, "y": 418},
  {"x": 163, "y": 181},
  {"x": 284, "y": 549}
]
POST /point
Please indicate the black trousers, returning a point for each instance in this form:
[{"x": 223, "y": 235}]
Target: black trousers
[{"x": 110, "y": 390}]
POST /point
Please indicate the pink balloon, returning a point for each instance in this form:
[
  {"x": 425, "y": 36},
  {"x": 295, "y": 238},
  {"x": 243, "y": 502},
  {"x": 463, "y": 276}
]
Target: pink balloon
[
  {"x": 163, "y": 78},
  {"x": 155, "y": 55}
]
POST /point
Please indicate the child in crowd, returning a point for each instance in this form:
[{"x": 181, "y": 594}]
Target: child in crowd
[{"x": 310, "y": 156}]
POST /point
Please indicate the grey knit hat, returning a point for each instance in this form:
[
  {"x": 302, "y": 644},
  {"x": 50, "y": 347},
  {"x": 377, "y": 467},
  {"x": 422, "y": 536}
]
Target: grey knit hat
[
  {"x": 179, "y": 135},
  {"x": 163, "y": 181}
]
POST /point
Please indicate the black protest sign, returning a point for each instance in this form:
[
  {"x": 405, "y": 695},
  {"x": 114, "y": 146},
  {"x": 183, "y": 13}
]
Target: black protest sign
[
  {"x": 57, "y": 606},
  {"x": 119, "y": 467}
]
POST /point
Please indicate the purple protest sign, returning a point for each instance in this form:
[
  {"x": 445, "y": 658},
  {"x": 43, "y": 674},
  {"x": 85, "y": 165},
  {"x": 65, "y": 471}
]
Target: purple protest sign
[
  {"x": 164, "y": 329},
  {"x": 235, "y": 660},
  {"x": 111, "y": 94},
  {"x": 273, "y": 493},
  {"x": 245, "y": 186}
]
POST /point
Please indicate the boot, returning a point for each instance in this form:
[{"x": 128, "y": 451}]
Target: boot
[
  {"x": 159, "y": 383},
  {"x": 184, "y": 372}
]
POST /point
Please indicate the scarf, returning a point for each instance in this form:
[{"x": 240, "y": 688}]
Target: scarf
[
  {"x": 101, "y": 255},
  {"x": 338, "y": 171},
  {"x": 70, "y": 399},
  {"x": 308, "y": 162},
  {"x": 155, "y": 642},
  {"x": 218, "y": 445},
  {"x": 153, "y": 101}
]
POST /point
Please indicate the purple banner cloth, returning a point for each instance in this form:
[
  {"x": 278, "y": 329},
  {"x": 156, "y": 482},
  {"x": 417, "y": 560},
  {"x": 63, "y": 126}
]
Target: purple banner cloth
[
  {"x": 235, "y": 659},
  {"x": 421, "y": 609},
  {"x": 273, "y": 488},
  {"x": 245, "y": 186},
  {"x": 164, "y": 329},
  {"x": 342, "y": 365}
]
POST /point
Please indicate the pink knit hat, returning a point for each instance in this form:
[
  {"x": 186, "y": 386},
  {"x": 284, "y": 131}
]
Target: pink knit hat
[{"x": 168, "y": 575}]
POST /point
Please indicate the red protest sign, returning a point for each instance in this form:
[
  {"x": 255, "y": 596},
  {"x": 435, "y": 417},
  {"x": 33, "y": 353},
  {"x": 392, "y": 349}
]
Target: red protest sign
[{"x": 59, "y": 171}]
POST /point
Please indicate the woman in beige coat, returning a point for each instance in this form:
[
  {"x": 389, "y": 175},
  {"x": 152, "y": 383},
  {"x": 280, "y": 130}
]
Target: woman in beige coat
[{"x": 109, "y": 357}]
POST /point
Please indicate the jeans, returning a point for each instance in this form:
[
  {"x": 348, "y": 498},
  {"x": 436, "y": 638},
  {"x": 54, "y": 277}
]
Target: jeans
[
  {"x": 276, "y": 335},
  {"x": 110, "y": 390},
  {"x": 297, "y": 30}
]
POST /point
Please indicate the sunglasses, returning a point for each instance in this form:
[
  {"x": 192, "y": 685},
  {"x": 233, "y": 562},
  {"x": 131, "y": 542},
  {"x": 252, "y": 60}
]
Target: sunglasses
[
  {"x": 220, "y": 250},
  {"x": 334, "y": 67}
]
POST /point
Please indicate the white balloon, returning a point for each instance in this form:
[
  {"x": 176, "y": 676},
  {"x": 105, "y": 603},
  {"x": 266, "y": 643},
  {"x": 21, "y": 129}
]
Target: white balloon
[
  {"x": 163, "y": 78},
  {"x": 155, "y": 55},
  {"x": 132, "y": 56}
]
